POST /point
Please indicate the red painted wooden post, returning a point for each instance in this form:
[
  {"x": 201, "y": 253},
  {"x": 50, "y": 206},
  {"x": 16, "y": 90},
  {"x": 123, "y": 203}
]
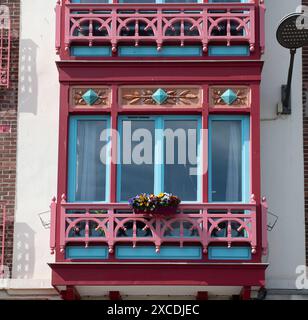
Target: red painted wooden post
[
  {"x": 205, "y": 135},
  {"x": 62, "y": 160},
  {"x": 115, "y": 295},
  {"x": 70, "y": 294},
  {"x": 264, "y": 208},
  {"x": 255, "y": 169},
  {"x": 114, "y": 144},
  {"x": 202, "y": 295},
  {"x": 53, "y": 219},
  {"x": 245, "y": 293}
]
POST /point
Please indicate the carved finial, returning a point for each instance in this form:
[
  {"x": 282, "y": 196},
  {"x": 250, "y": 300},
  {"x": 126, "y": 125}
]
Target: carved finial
[
  {"x": 63, "y": 198},
  {"x": 252, "y": 48},
  {"x": 204, "y": 48},
  {"x": 54, "y": 199},
  {"x": 204, "y": 249},
  {"x": 157, "y": 249},
  {"x": 252, "y": 198},
  {"x": 110, "y": 249},
  {"x": 52, "y": 250},
  {"x": 253, "y": 250},
  {"x": 263, "y": 199}
]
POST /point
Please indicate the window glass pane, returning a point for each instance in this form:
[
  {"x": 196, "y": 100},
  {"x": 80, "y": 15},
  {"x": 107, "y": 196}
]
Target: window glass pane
[
  {"x": 90, "y": 168},
  {"x": 180, "y": 158},
  {"x": 137, "y": 158},
  {"x": 226, "y": 160}
]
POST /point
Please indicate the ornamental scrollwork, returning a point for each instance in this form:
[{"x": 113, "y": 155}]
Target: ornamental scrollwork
[{"x": 160, "y": 96}]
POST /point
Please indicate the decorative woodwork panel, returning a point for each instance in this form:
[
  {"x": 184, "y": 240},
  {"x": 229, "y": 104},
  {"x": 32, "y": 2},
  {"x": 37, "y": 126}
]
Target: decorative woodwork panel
[
  {"x": 230, "y": 97},
  {"x": 149, "y": 96},
  {"x": 90, "y": 97}
]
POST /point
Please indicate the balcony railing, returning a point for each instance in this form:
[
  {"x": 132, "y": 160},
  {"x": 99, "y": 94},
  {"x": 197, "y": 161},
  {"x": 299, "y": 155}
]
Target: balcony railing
[
  {"x": 2, "y": 236},
  {"x": 157, "y": 24},
  {"x": 112, "y": 224},
  {"x": 5, "y": 45}
]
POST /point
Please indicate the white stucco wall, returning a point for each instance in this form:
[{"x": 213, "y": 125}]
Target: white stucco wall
[
  {"x": 37, "y": 139},
  {"x": 282, "y": 155}
]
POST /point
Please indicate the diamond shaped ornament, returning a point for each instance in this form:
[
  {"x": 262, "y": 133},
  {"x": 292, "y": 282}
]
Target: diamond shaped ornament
[
  {"x": 160, "y": 96},
  {"x": 229, "y": 96},
  {"x": 90, "y": 97}
]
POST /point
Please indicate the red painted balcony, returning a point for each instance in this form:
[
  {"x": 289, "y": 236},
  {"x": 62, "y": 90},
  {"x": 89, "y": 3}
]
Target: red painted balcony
[
  {"x": 201, "y": 24},
  {"x": 113, "y": 224}
]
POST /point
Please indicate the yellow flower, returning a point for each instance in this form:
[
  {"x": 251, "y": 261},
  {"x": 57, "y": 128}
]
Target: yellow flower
[{"x": 161, "y": 195}]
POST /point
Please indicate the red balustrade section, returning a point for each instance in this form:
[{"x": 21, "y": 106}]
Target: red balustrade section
[
  {"x": 112, "y": 224},
  {"x": 157, "y": 24},
  {"x": 5, "y": 46}
]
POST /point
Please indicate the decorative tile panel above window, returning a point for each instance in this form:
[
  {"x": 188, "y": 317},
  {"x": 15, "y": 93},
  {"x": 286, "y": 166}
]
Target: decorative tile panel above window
[
  {"x": 90, "y": 97},
  {"x": 187, "y": 97},
  {"x": 230, "y": 97}
]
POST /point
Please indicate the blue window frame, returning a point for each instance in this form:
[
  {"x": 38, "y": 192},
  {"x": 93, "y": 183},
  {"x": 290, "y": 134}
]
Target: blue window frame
[
  {"x": 88, "y": 163},
  {"x": 229, "y": 165},
  {"x": 155, "y": 173}
]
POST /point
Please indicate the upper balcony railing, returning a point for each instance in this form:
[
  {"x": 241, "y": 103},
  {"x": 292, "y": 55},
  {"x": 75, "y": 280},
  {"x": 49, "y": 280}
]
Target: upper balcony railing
[
  {"x": 113, "y": 224},
  {"x": 178, "y": 24}
]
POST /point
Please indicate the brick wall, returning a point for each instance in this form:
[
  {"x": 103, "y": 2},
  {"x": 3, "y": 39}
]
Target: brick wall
[
  {"x": 8, "y": 141},
  {"x": 305, "y": 132}
]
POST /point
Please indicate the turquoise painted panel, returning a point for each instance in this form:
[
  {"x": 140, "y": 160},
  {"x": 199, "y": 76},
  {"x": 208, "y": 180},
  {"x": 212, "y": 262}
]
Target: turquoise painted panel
[
  {"x": 225, "y": 51},
  {"x": 233, "y": 253},
  {"x": 90, "y": 253},
  {"x": 168, "y": 51},
  {"x": 166, "y": 253},
  {"x": 83, "y": 51}
]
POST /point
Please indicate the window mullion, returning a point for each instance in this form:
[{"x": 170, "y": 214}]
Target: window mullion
[{"x": 159, "y": 155}]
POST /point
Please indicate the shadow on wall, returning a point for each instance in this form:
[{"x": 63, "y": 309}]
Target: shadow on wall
[
  {"x": 28, "y": 83},
  {"x": 24, "y": 253}
]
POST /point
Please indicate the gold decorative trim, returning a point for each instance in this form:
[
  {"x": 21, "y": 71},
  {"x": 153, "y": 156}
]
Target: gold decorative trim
[
  {"x": 176, "y": 96},
  {"x": 243, "y": 96},
  {"x": 103, "y": 97}
]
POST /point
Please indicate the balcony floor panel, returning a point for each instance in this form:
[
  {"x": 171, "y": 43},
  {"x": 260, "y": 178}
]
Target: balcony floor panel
[{"x": 159, "y": 273}]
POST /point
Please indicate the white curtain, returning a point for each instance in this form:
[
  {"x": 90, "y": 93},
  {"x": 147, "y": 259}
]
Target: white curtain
[
  {"x": 90, "y": 173},
  {"x": 234, "y": 163}
]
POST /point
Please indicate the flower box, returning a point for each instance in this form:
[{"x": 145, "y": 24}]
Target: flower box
[
  {"x": 166, "y": 211},
  {"x": 154, "y": 205}
]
